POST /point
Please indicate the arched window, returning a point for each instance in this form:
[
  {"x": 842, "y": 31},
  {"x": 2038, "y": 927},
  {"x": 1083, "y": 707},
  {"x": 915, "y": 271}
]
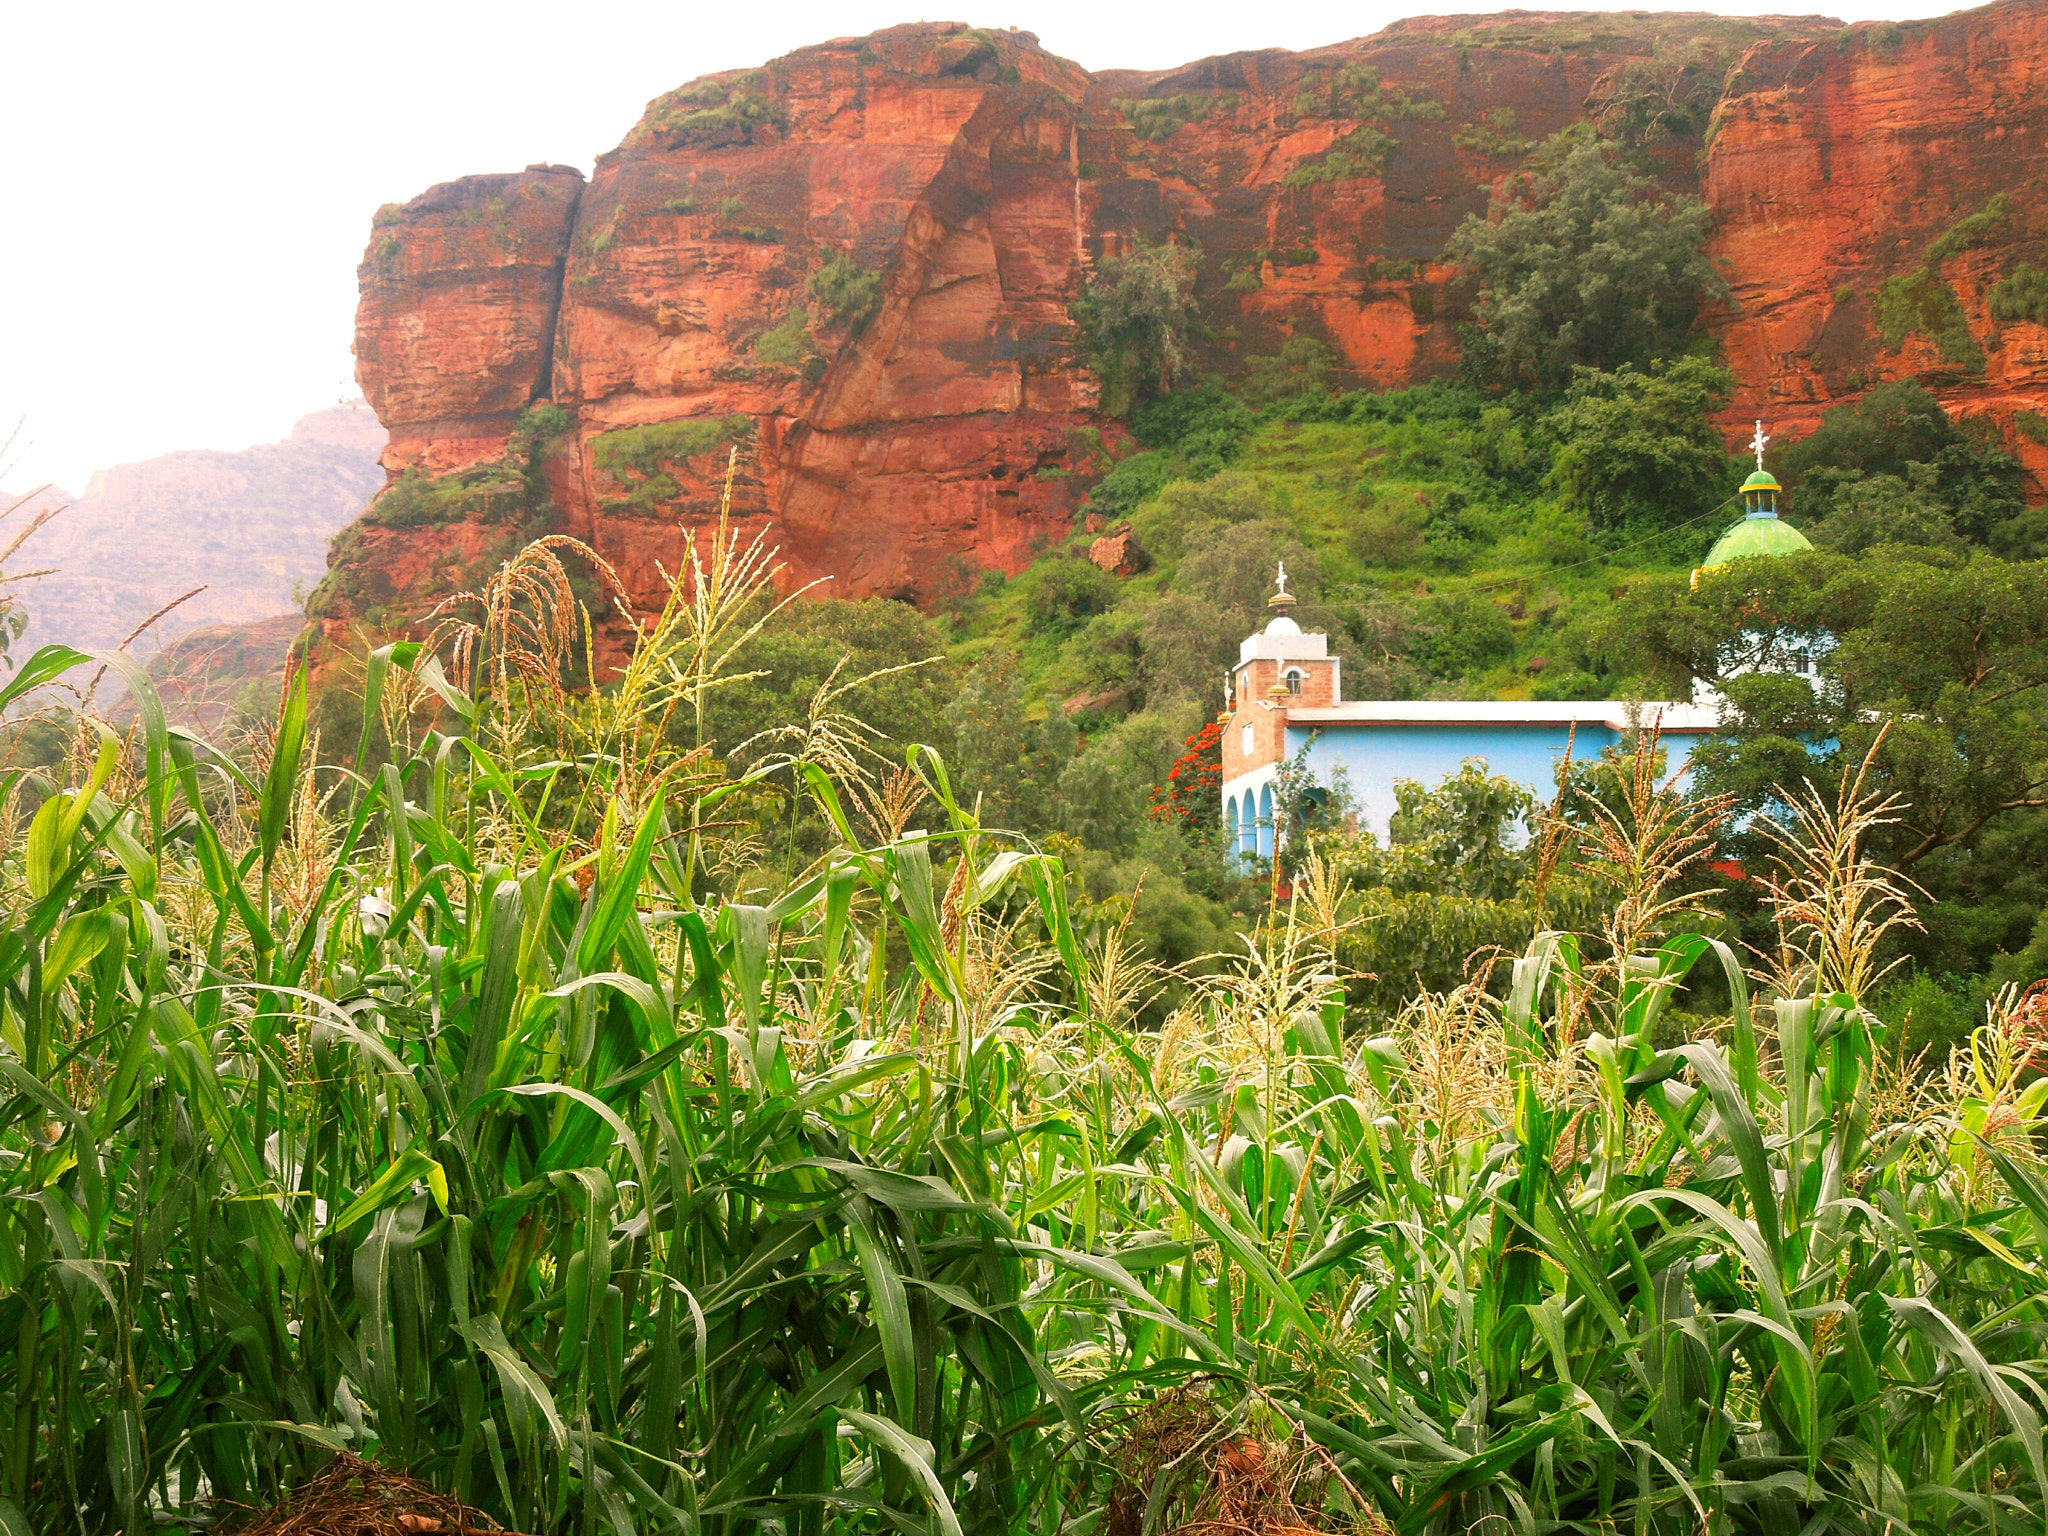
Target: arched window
[
  {"x": 1294, "y": 681},
  {"x": 1244, "y": 740}
]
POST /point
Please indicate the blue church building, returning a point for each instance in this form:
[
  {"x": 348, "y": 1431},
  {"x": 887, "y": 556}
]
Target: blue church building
[{"x": 1286, "y": 700}]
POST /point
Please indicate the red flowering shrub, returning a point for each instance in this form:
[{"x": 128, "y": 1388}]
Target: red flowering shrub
[{"x": 1193, "y": 792}]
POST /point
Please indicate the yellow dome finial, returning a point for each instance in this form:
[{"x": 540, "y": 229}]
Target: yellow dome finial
[{"x": 1281, "y": 599}]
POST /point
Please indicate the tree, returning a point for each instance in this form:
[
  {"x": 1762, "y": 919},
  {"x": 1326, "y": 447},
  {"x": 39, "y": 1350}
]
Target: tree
[
  {"x": 1001, "y": 758},
  {"x": 1894, "y": 425},
  {"x": 1640, "y": 451},
  {"x": 1582, "y": 264},
  {"x": 1946, "y": 659},
  {"x": 1219, "y": 593},
  {"x": 1062, "y": 595},
  {"x": 1908, "y": 474},
  {"x": 797, "y": 652},
  {"x": 1138, "y": 315}
]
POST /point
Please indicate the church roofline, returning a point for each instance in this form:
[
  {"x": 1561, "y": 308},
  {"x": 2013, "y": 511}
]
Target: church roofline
[{"x": 1616, "y": 714}]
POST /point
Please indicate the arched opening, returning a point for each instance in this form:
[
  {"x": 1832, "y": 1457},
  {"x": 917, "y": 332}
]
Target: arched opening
[
  {"x": 1294, "y": 680},
  {"x": 1266, "y": 822}
]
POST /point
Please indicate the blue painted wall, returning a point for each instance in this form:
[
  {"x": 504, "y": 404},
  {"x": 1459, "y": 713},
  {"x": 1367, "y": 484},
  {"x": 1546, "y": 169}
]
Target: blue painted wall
[{"x": 1374, "y": 756}]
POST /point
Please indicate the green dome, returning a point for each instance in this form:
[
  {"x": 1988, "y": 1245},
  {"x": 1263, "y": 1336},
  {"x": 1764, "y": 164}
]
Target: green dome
[
  {"x": 1761, "y": 481},
  {"x": 1756, "y": 536}
]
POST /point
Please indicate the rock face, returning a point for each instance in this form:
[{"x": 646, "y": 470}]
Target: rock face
[
  {"x": 249, "y": 526},
  {"x": 853, "y": 270},
  {"x": 1844, "y": 175}
]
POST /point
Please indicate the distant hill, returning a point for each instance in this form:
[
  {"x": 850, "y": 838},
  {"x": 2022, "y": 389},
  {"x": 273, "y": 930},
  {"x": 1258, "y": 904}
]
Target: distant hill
[
  {"x": 251, "y": 526},
  {"x": 221, "y": 675}
]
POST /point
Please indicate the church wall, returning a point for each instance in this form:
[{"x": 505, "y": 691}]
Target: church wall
[{"x": 1373, "y": 757}]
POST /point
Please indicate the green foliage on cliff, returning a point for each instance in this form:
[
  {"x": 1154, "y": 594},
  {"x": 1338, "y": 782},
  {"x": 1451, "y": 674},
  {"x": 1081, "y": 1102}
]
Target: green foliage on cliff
[
  {"x": 1984, "y": 227},
  {"x": 416, "y": 500},
  {"x": 1583, "y": 263},
  {"x": 2021, "y": 295},
  {"x": 1361, "y": 152},
  {"x": 1350, "y": 90},
  {"x": 850, "y": 293},
  {"x": 709, "y": 113},
  {"x": 639, "y": 458},
  {"x": 1923, "y": 302},
  {"x": 788, "y": 341},
  {"x": 1139, "y": 317},
  {"x": 1494, "y": 136},
  {"x": 1160, "y": 117}
]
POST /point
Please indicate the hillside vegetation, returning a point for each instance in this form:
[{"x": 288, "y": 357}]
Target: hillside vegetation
[
  {"x": 463, "y": 1114},
  {"x": 825, "y": 1076},
  {"x": 1528, "y": 531}
]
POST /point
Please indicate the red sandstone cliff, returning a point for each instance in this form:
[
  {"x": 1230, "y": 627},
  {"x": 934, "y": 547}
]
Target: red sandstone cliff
[{"x": 858, "y": 263}]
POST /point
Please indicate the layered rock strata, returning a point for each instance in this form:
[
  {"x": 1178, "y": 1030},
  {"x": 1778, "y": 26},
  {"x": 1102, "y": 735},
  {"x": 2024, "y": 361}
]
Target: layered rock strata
[{"x": 852, "y": 272}]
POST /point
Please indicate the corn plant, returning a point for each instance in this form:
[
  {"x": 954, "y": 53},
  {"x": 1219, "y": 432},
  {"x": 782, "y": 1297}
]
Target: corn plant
[{"x": 440, "y": 1125}]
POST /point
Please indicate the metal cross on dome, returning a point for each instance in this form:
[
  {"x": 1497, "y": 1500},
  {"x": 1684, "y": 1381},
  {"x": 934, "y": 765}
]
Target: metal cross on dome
[
  {"x": 1281, "y": 580},
  {"x": 1757, "y": 443}
]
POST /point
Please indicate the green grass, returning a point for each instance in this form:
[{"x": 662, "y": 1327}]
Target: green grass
[{"x": 1362, "y": 496}]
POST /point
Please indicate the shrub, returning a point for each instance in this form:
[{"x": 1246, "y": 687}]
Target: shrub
[
  {"x": 2023, "y": 295},
  {"x": 1060, "y": 595},
  {"x": 1351, "y": 90},
  {"x": 1301, "y": 367},
  {"x": 636, "y": 457},
  {"x": 1361, "y": 152},
  {"x": 1495, "y": 136},
  {"x": 1988, "y": 224},
  {"x": 1923, "y": 303},
  {"x": 788, "y": 342},
  {"x": 1159, "y": 118},
  {"x": 1460, "y": 635},
  {"x": 850, "y": 293},
  {"x": 415, "y": 500},
  {"x": 709, "y": 113},
  {"x": 1139, "y": 316}
]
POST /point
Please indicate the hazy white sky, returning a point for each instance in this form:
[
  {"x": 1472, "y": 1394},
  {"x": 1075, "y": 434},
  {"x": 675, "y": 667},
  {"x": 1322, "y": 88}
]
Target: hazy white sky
[{"x": 193, "y": 183}]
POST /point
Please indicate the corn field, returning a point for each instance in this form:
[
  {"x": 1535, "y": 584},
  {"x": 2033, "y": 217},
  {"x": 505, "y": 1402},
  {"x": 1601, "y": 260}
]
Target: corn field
[{"x": 443, "y": 1111}]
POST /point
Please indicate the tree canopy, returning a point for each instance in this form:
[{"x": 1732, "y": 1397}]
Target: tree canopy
[{"x": 1582, "y": 263}]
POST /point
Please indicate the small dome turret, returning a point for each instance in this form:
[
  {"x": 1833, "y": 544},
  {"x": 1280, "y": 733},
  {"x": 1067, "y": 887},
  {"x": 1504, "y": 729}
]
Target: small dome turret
[
  {"x": 1761, "y": 531},
  {"x": 1281, "y": 623}
]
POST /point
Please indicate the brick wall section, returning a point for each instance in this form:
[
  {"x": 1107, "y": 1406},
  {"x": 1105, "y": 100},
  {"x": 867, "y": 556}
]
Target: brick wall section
[{"x": 1269, "y": 726}]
